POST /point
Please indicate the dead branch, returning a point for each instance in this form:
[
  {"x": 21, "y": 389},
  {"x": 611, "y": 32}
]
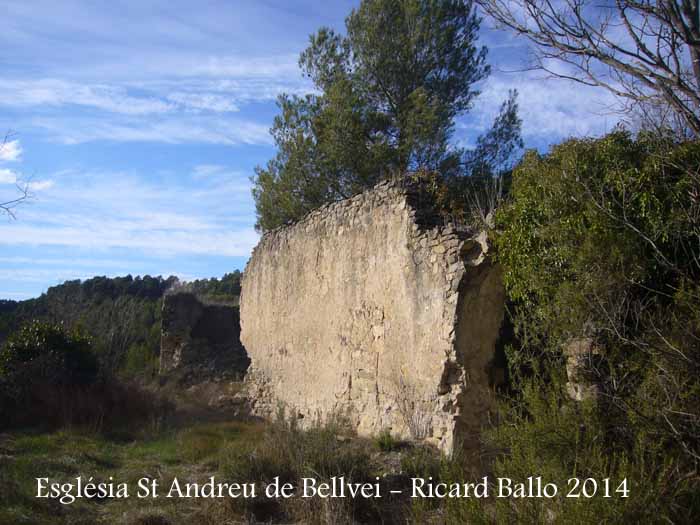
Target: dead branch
[
  {"x": 23, "y": 194},
  {"x": 646, "y": 52}
]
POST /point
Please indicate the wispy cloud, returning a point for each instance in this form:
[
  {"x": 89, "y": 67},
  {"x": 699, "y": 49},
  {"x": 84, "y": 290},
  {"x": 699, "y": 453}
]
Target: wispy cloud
[
  {"x": 55, "y": 92},
  {"x": 10, "y": 151},
  {"x": 39, "y": 185},
  {"x": 204, "y": 101},
  {"x": 205, "y": 170},
  {"x": 7, "y": 176},
  {"x": 551, "y": 109},
  {"x": 36, "y": 275},
  {"x": 17, "y": 296},
  {"x": 185, "y": 105},
  {"x": 155, "y": 96},
  {"x": 223, "y": 178},
  {"x": 170, "y": 130},
  {"x": 62, "y": 261},
  {"x": 237, "y": 67},
  {"x": 229, "y": 244},
  {"x": 102, "y": 211}
]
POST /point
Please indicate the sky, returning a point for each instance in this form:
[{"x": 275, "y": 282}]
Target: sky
[{"x": 137, "y": 126}]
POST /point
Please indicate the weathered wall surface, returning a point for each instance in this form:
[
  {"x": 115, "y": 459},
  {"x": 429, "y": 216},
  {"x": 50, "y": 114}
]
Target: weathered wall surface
[
  {"x": 201, "y": 340},
  {"x": 369, "y": 309}
]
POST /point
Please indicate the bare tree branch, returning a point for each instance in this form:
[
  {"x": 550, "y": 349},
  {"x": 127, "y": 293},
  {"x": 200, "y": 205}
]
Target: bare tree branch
[
  {"x": 644, "y": 51},
  {"x": 7, "y": 207}
]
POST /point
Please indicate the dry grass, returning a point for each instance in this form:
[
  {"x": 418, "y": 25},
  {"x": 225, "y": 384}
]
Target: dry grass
[
  {"x": 193, "y": 451},
  {"x": 106, "y": 406}
]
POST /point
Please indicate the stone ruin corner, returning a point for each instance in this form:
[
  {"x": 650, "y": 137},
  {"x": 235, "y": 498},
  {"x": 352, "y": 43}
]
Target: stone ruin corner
[
  {"x": 375, "y": 310},
  {"x": 200, "y": 341}
]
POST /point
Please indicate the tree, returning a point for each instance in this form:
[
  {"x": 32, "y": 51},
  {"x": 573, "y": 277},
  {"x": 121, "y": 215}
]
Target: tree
[
  {"x": 488, "y": 166},
  {"x": 9, "y": 205},
  {"x": 390, "y": 90},
  {"x": 645, "y": 51}
]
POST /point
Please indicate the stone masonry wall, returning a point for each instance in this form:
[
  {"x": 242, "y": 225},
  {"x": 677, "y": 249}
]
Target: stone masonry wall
[
  {"x": 372, "y": 310},
  {"x": 199, "y": 340}
]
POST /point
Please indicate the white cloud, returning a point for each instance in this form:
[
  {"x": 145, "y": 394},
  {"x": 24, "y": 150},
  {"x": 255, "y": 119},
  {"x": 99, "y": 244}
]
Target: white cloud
[
  {"x": 204, "y": 101},
  {"x": 57, "y": 92},
  {"x": 17, "y": 296},
  {"x": 7, "y": 176},
  {"x": 217, "y": 93},
  {"x": 40, "y": 275},
  {"x": 10, "y": 151},
  {"x": 260, "y": 89},
  {"x": 40, "y": 185},
  {"x": 223, "y": 178},
  {"x": 204, "y": 170},
  {"x": 551, "y": 109},
  {"x": 220, "y": 243},
  {"x": 170, "y": 131},
  {"x": 233, "y": 66},
  {"x": 60, "y": 261},
  {"x": 106, "y": 211}
]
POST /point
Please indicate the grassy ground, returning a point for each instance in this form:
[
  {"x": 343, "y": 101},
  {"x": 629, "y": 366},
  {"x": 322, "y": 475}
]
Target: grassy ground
[
  {"x": 193, "y": 445},
  {"x": 192, "y": 453},
  {"x": 185, "y": 438},
  {"x": 193, "y": 442}
]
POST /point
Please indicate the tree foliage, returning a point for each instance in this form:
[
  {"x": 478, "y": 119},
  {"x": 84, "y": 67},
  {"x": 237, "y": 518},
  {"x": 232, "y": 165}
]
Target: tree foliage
[
  {"x": 38, "y": 361},
  {"x": 122, "y": 315},
  {"x": 51, "y": 353},
  {"x": 227, "y": 289},
  {"x": 389, "y": 92},
  {"x": 479, "y": 190},
  {"x": 600, "y": 240}
]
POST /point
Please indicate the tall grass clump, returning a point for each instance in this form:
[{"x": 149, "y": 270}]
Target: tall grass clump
[{"x": 286, "y": 451}]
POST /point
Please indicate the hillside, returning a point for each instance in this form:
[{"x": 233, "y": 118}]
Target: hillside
[{"x": 122, "y": 314}]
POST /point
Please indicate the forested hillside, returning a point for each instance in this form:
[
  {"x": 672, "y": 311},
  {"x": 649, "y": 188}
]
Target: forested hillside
[{"x": 122, "y": 314}]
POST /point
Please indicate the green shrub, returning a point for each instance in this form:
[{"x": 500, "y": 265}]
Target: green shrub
[
  {"x": 600, "y": 240},
  {"x": 140, "y": 361},
  {"x": 386, "y": 442},
  {"x": 48, "y": 353},
  {"x": 49, "y": 377},
  {"x": 422, "y": 462}
]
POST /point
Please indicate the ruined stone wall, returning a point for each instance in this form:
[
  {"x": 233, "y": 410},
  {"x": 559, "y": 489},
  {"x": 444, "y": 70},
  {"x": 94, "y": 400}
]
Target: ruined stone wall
[
  {"x": 372, "y": 310},
  {"x": 199, "y": 340}
]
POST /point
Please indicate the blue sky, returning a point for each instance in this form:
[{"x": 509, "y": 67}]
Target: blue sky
[{"x": 138, "y": 125}]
